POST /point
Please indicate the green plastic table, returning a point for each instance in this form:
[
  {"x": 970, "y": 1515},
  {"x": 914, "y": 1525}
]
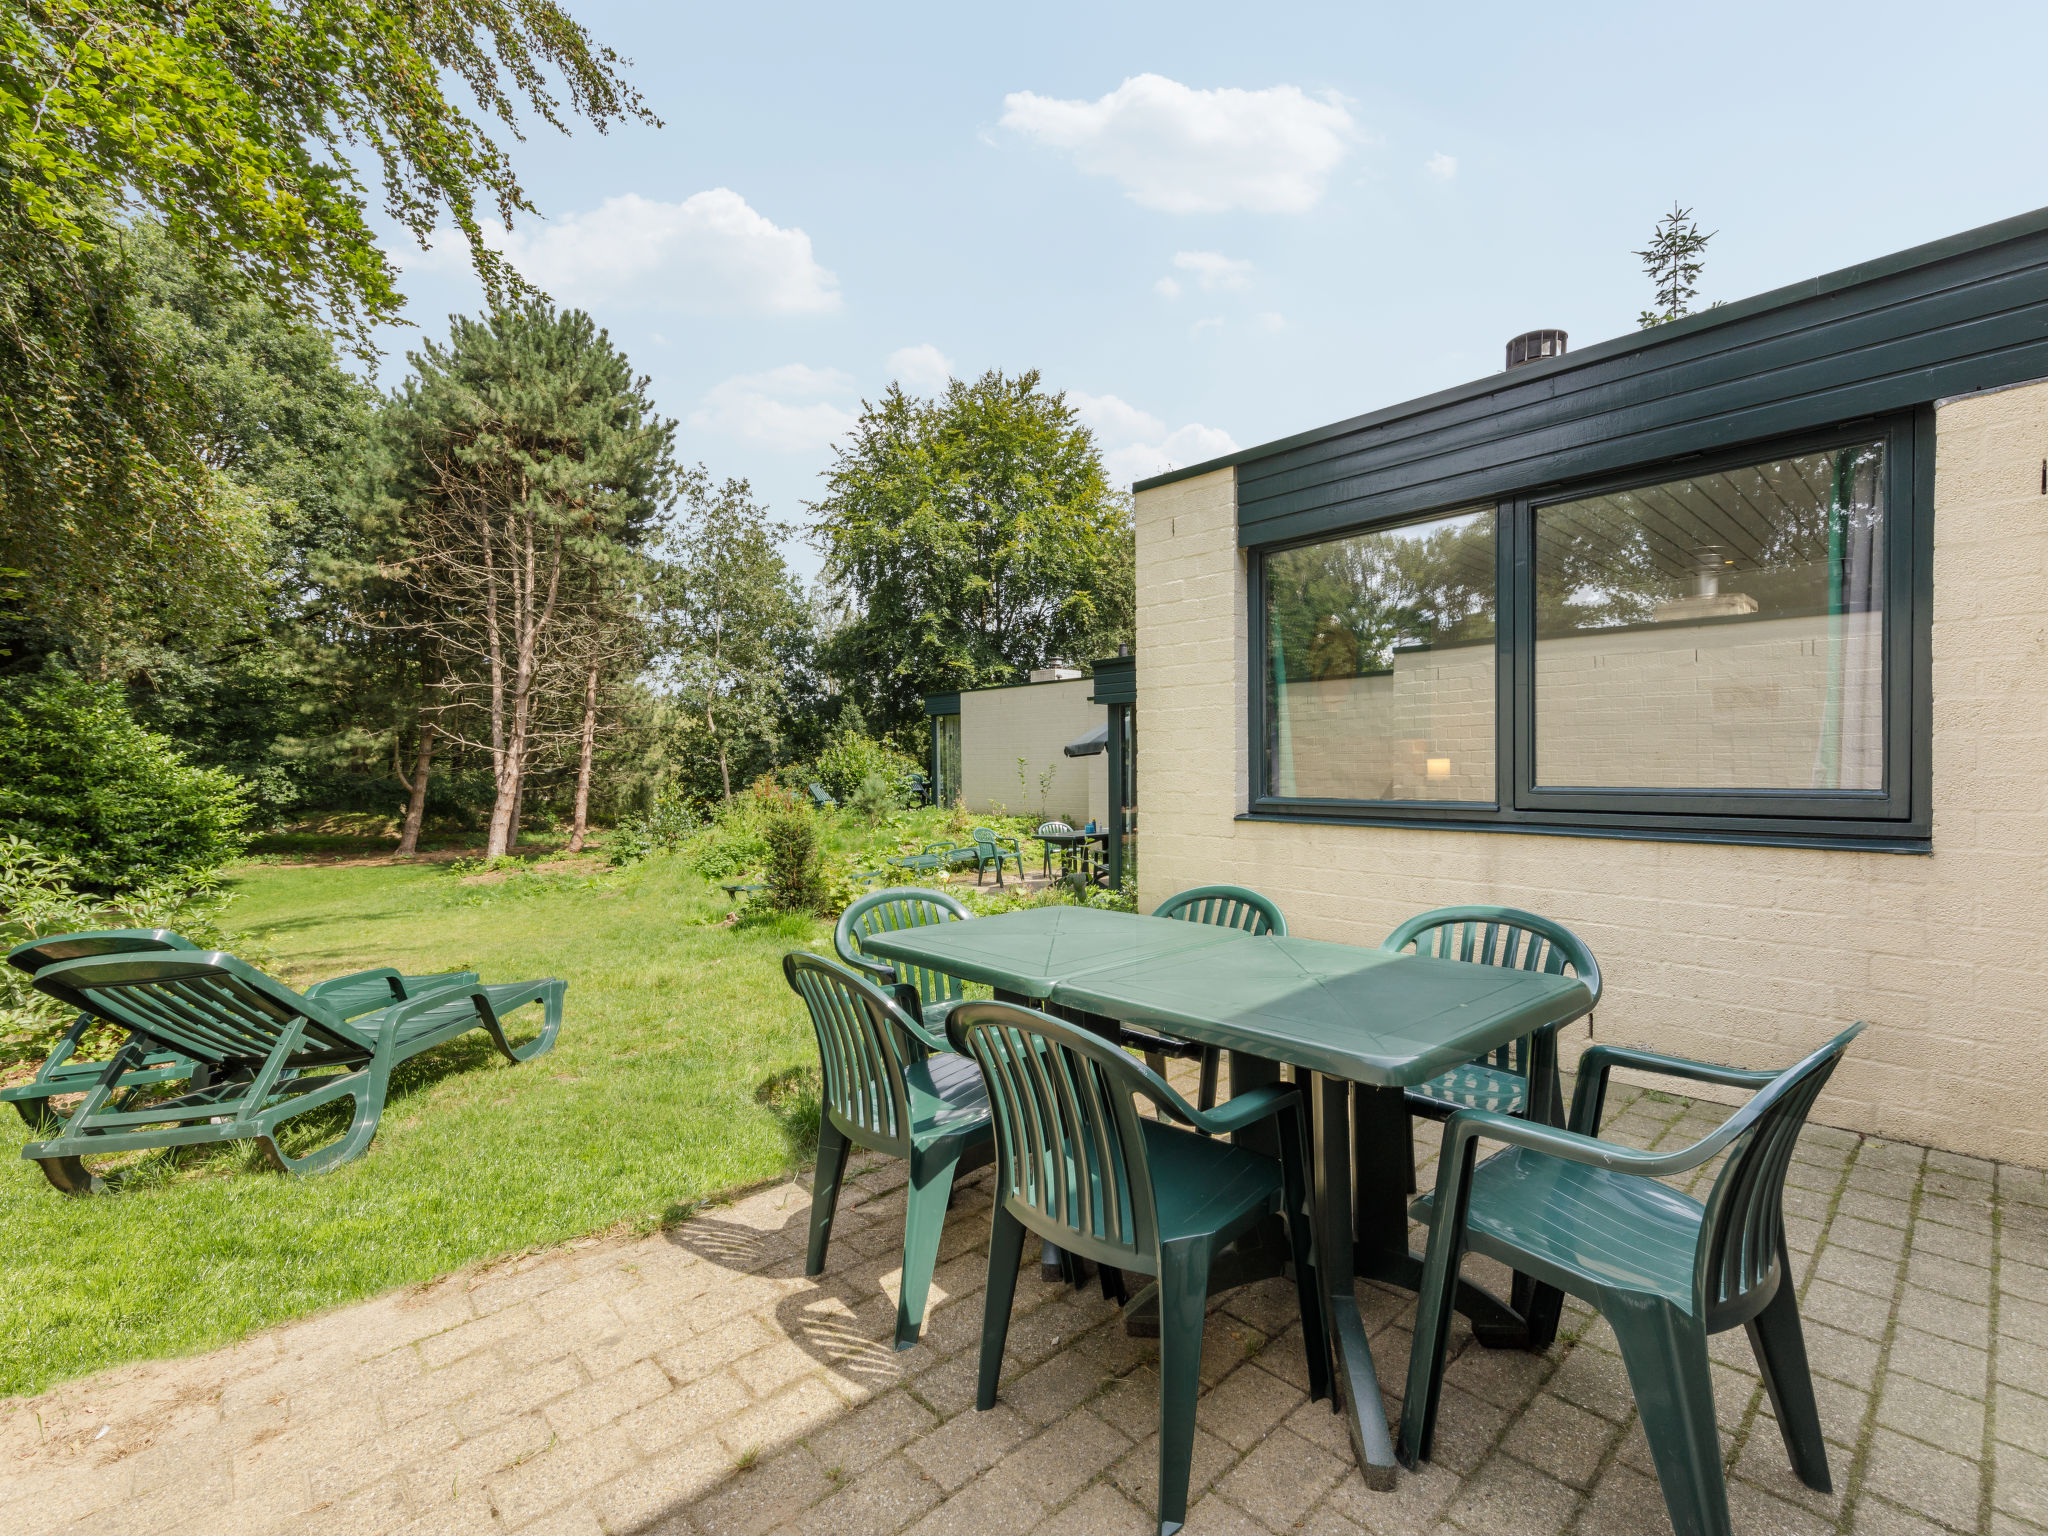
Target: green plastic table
[{"x": 1356, "y": 1025}]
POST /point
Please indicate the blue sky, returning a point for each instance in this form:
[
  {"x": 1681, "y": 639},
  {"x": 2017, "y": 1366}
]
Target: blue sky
[{"x": 1216, "y": 225}]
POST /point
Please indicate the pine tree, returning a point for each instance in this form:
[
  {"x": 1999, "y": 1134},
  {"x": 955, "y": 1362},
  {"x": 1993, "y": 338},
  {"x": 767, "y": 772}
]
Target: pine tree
[{"x": 1673, "y": 263}]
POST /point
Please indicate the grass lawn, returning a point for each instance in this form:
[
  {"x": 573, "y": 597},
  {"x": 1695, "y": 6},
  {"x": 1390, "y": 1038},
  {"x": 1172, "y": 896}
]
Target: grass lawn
[{"x": 651, "y": 1100}]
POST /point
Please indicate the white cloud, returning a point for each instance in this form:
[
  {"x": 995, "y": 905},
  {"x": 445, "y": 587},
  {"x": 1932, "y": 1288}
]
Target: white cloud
[
  {"x": 709, "y": 254},
  {"x": 1181, "y": 150},
  {"x": 922, "y": 369},
  {"x": 1442, "y": 166},
  {"x": 1213, "y": 270},
  {"x": 1167, "y": 288},
  {"x": 1136, "y": 443},
  {"x": 791, "y": 409}
]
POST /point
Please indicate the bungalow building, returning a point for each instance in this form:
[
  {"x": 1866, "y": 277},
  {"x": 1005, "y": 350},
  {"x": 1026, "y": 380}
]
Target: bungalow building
[{"x": 1724, "y": 643}]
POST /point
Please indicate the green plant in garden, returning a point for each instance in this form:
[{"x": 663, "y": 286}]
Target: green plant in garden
[
  {"x": 874, "y": 797},
  {"x": 795, "y": 863},
  {"x": 664, "y": 829},
  {"x": 118, "y": 805}
]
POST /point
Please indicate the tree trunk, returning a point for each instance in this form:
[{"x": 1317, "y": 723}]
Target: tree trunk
[
  {"x": 416, "y": 808},
  {"x": 518, "y": 811},
  {"x": 582, "y": 823}
]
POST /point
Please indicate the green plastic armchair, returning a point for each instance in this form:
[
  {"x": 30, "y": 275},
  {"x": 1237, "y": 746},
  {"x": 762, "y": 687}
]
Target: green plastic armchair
[
  {"x": 1590, "y": 1218},
  {"x": 1222, "y": 906},
  {"x": 889, "y": 1085},
  {"x": 1077, "y": 1165},
  {"x": 1041, "y": 831},
  {"x": 925, "y": 993},
  {"x": 991, "y": 849}
]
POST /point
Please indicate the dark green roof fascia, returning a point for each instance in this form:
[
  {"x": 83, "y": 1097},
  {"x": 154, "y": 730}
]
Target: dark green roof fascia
[
  {"x": 1116, "y": 681},
  {"x": 1681, "y": 387},
  {"x": 942, "y": 703}
]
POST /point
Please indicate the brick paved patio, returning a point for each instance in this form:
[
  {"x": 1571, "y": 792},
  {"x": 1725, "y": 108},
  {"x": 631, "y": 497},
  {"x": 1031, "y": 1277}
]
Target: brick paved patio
[{"x": 694, "y": 1382}]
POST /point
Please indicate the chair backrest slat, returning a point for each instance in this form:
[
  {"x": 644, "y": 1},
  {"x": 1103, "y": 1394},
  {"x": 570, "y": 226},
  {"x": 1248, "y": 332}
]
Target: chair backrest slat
[
  {"x": 1069, "y": 1142},
  {"x": 891, "y": 911},
  {"x": 1225, "y": 906},
  {"x": 862, "y": 1051},
  {"x": 209, "y": 1006},
  {"x": 1742, "y": 1237}
]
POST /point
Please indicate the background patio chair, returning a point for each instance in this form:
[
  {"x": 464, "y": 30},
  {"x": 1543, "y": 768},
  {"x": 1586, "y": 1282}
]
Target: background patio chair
[
  {"x": 927, "y": 994},
  {"x": 1225, "y": 906},
  {"x": 821, "y": 797},
  {"x": 891, "y": 1087},
  {"x": 1589, "y": 1216},
  {"x": 993, "y": 849},
  {"x": 267, "y": 1051},
  {"x": 356, "y": 993},
  {"x": 1040, "y": 831},
  {"x": 1077, "y": 1165}
]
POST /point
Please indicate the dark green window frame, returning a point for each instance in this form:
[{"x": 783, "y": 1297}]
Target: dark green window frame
[{"x": 1895, "y": 818}]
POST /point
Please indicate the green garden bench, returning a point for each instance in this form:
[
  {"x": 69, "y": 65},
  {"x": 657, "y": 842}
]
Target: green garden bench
[
  {"x": 1590, "y": 1217},
  {"x": 1077, "y": 1165},
  {"x": 891, "y": 1086},
  {"x": 357, "y": 993},
  {"x": 270, "y": 1054}
]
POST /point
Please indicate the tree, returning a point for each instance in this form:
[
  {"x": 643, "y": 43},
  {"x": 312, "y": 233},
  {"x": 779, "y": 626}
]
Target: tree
[
  {"x": 972, "y": 536},
  {"x": 1673, "y": 263},
  {"x": 234, "y": 123},
  {"x": 528, "y": 469},
  {"x": 733, "y": 617}
]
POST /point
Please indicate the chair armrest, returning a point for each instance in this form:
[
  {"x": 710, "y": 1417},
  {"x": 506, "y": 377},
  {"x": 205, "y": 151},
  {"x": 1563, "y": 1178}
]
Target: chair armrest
[
  {"x": 1589, "y": 1098},
  {"x": 1234, "y": 1114},
  {"x": 885, "y": 974},
  {"x": 374, "y": 973},
  {"x": 1470, "y": 1125}
]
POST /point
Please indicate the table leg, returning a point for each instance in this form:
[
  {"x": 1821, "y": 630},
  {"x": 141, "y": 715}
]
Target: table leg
[
  {"x": 1357, "y": 1384},
  {"x": 1383, "y": 1156}
]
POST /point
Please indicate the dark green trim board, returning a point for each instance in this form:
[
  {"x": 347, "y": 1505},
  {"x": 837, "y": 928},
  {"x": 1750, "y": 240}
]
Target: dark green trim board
[
  {"x": 1116, "y": 681},
  {"x": 942, "y": 704},
  {"x": 1885, "y": 337}
]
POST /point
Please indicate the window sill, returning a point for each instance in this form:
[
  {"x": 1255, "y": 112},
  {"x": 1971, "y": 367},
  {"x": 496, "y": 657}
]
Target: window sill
[{"x": 1890, "y": 841}]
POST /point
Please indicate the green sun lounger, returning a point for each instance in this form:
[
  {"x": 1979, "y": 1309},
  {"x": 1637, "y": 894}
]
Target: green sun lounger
[
  {"x": 356, "y": 993},
  {"x": 270, "y": 1053}
]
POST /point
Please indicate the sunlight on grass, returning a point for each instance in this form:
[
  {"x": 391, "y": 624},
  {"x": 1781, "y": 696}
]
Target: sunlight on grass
[{"x": 678, "y": 1074}]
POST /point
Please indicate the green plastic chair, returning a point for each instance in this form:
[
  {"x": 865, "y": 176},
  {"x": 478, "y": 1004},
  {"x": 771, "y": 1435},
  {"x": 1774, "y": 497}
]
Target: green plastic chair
[
  {"x": 1222, "y": 906},
  {"x": 1040, "y": 832},
  {"x": 1077, "y": 1165},
  {"x": 821, "y": 797},
  {"x": 889, "y": 1086},
  {"x": 991, "y": 849},
  {"x": 926, "y": 993},
  {"x": 271, "y": 1054},
  {"x": 1666, "y": 1271},
  {"x": 1517, "y": 940},
  {"x": 357, "y": 993}
]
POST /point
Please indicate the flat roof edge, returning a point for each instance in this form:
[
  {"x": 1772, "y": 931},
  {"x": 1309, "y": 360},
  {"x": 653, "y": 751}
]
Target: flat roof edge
[{"x": 1875, "y": 270}]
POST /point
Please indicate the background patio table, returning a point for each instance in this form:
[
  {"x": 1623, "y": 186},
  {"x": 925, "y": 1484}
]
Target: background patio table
[{"x": 1357, "y": 1025}]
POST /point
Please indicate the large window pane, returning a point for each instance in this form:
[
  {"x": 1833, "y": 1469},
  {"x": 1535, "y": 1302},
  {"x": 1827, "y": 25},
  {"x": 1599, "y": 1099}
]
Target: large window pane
[
  {"x": 1380, "y": 649},
  {"x": 1720, "y": 632}
]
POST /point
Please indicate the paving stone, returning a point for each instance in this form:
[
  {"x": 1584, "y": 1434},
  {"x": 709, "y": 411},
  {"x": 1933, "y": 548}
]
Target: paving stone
[
  {"x": 1137, "y": 1471},
  {"x": 1060, "y": 1460},
  {"x": 983, "y": 1506},
  {"x": 961, "y": 1447},
  {"x": 771, "y": 1492},
  {"x": 1755, "y": 1512},
  {"x": 1049, "y": 1391},
  {"x": 1281, "y": 1479},
  {"x": 2020, "y": 1482},
  {"x": 557, "y": 1474},
  {"x": 1952, "y": 1243},
  {"x": 684, "y": 1414},
  {"x": 1949, "y": 1276},
  {"x": 1879, "y": 1517},
  {"x": 663, "y": 1486},
  {"x": 1506, "y": 1498},
  {"x": 2020, "y": 1418},
  {"x": 876, "y": 1429},
  {"x": 1246, "y": 1406},
  {"x": 1867, "y": 1237},
  {"x": 1879, "y": 1276},
  {"x": 1851, "y": 1311},
  {"x": 593, "y": 1406},
  {"x": 883, "y": 1499},
  {"x": 2019, "y": 1318},
  {"x": 1101, "y": 1511},
  {"x": 1595, "y": 1380},
  {"x": 1941, "y": 1362},
  {"x": 1953, "y": 1422},
  {"x": 1924, "y": 1480},
  {"x": 1567, "y": 1442}
]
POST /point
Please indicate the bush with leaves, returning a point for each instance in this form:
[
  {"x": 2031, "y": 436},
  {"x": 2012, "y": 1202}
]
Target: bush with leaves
[
  {"x": 664, "y": 829},
  {"x": 795, "y": 864},
  {"x": 119, "y": 806},
  {"x": 850, "y": 760},
  {"x": 39, "y": 896},
  {"x": 874, "y": 798}
]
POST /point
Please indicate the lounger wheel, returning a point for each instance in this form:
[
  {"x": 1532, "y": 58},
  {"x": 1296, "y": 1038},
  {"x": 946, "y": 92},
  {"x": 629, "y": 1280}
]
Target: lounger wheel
[{"x": 71, "y": 1175}]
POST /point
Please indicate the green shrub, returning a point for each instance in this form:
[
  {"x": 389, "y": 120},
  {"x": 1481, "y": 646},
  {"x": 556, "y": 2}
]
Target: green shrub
[
  {"x": 795, "y": 863},
  {"x": 874, "y": 798},
  {"x": 662, "y": 830},
  {"x": 849, "y": 760},
  {"x": 119, "y": 805}
]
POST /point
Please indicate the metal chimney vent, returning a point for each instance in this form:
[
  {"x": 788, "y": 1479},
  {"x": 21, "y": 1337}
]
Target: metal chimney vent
[{"x": 1534, "y": 346}]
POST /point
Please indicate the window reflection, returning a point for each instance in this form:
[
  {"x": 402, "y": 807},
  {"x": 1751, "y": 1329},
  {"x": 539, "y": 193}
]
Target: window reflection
[
  {"x": 1381, "y": 655},
  {"x": 1719, "y": 632}
]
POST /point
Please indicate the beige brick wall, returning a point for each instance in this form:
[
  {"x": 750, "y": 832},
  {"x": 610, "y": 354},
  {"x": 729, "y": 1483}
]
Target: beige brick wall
[
  {"x": 1034, "y": 721},
  {"x": 1750, "y": 955}
]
